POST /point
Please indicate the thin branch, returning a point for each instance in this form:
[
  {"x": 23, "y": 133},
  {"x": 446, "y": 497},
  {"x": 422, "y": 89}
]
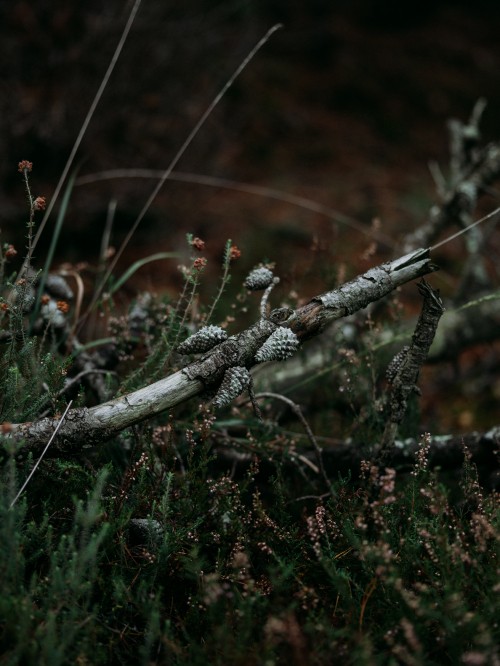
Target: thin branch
[
  {"x": 445, "y": 452},
  {"x": 298, "y": 412},
  {"x": 494, "y": 214},
  {"x": 265, "y": 296},
  {"x": 459, "y": 202}
]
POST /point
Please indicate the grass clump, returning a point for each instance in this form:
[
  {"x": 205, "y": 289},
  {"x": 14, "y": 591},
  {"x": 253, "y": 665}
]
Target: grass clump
[{"x": 174, "y": 560}]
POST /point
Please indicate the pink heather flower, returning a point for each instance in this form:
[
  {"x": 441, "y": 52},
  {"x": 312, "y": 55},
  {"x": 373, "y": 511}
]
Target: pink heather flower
[{"x": 24, "y": 165}]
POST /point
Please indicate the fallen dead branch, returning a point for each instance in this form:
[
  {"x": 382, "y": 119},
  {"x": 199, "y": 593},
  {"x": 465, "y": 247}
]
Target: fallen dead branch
[
  {"x": 444, "y": 451},
  {"x": 88, "y": 426}
]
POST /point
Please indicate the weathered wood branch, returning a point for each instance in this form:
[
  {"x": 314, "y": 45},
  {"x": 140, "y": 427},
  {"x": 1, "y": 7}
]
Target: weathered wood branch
[
  {"x": 405, "y": 373},
  {"x": 458, "y": 330},
  {"x": 473, "y": 169},
  {"x": 445, "y": 451},
  {"x": 89, "y": 426}
]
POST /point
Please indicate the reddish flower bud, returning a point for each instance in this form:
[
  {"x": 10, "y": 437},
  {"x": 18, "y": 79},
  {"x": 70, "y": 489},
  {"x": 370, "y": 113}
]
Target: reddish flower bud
[
  {"x": 10, "y": 251},
  {"x": 234, "y": 252},
  {"x": 198, "y": 244},
  {"x": 39, "y": 203},
  {"x": 200, "y": 263},
  {"x": 24, "y": 165}
]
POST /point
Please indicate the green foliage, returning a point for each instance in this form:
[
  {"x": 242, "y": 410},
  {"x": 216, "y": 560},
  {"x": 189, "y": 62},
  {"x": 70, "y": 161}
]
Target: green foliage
[
  {"x": 30, "y": 380},
  {"x": 387, "y": 570},
  {"x": 48, "y": 580}
]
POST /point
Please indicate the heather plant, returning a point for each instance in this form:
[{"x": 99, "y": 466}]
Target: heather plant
[{"x": 171, "y": 562}]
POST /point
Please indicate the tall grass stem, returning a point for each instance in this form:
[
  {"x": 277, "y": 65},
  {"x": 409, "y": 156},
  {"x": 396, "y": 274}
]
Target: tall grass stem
[
  {"x": 166, "y": 174},
  {"x": 61, "y": 421},
  {"x": 84, "y": 126}
]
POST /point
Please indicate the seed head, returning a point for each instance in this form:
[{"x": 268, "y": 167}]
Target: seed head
[
  {"x": 279, "y": 346},
  {"x": 396, "y": 363},
  {"x": 258, "y": 279},
  {"x": 235, "y": 381},
  {"x": 206, "y": 338}
]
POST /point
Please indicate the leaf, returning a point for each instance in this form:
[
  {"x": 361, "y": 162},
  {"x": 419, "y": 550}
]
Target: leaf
[{"x": 139, "y": 264}]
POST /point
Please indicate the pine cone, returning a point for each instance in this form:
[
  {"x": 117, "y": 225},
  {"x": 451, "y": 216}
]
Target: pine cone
[
  {"x": 396, "y": 363},
  {"x": 280, "y": 345},
  {"x": 259, "y": 278},
  {"x": 235, "y": 381},
  {"x": 206, "y": 338}
]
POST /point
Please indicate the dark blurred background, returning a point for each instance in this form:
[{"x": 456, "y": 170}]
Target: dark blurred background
[{"x": 345, "y": 106}]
